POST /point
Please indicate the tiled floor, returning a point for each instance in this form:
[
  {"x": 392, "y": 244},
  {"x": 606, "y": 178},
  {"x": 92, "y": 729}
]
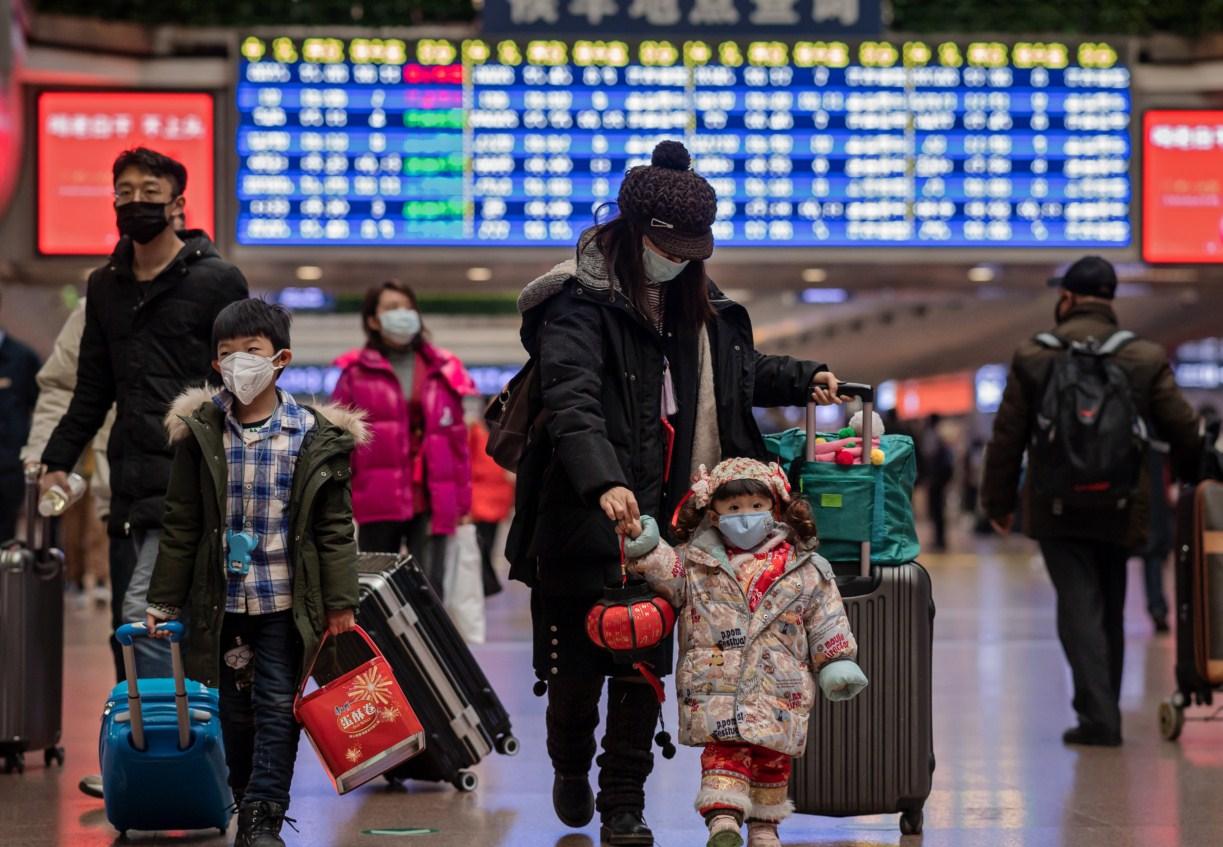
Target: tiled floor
[{"x": 1003, "y": 778}]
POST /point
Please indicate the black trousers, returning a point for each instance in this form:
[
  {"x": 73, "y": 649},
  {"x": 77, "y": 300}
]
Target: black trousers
[
  {"x": 1090, "y": 579},
  {"x": 938, "y": 514},
  {"x": 486, "y": 537},
  {"x": 12, "y": 494},
  {"x": 628, "y": 757},
  {"x": 390, "y": 537}
]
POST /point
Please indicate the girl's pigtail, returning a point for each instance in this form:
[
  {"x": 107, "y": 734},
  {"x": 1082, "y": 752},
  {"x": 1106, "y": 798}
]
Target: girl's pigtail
[
  {"x": 689, "y": 518},
  {"x": 801, "y": 521}
]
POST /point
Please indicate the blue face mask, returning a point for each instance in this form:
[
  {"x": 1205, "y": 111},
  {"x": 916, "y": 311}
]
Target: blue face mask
[
  {"x": 400, "y": 326},
  {"x": 746, "y": 531}
]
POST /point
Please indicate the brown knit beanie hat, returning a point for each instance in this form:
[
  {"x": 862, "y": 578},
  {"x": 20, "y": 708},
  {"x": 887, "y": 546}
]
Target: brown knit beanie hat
[{"x": 676, "y": 206}]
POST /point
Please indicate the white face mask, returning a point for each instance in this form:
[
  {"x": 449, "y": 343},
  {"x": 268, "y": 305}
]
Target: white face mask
[
  {"x": 660, "y": 268},
  {"x": 400, "y": 326},
  {"x": 246, "y": 375}
]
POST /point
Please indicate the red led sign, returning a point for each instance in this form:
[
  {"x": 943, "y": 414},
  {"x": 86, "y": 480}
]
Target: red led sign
[
  {"x": 80, "y": 133},
  {"x": 1182, "y": 181}
]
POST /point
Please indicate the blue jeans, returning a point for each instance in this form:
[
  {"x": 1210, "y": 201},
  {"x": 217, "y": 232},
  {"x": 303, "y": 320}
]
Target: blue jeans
[
  {"x": 152, "y": 654},
  {"x": 122, "y": 563},
  {"x": 260, "y": 661}
]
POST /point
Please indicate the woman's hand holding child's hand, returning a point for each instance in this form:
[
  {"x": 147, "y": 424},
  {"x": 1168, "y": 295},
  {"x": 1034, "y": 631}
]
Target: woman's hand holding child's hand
[
  {"x": 620, "y": 505},
  {"x": 842, "y": 680},
  {"x": 340, "y": 621},
  {"x": 642, "y": 544}
]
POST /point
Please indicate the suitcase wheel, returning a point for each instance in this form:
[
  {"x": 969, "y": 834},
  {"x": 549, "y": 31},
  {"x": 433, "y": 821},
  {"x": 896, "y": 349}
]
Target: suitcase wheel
[
  {"x": 53, "y": 754},
  {"x": 507, "y": 745},
  {"x": 911, "y": 822},
  {"x": 14, "y": 762},
  {"x": 1171, "y": 720},
  {"x": 466, "y": 781}
]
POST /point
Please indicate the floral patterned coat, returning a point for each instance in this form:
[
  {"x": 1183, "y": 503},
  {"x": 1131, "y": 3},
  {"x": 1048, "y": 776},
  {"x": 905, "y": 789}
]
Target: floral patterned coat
[{"x": 747, "y": 676}]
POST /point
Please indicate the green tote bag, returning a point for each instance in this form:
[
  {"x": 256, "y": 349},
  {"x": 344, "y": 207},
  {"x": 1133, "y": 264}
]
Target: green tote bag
[{"x": 856, "y": 503}]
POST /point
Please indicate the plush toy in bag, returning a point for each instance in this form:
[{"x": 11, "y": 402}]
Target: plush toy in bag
[{"x": 846, "y": 448}]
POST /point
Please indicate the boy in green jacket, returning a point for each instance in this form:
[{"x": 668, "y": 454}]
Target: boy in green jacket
[{"x": 258, "y": 546}]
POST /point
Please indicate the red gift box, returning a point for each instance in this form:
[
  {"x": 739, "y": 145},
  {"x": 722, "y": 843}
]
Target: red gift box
[{"x": 360, "y": 723}]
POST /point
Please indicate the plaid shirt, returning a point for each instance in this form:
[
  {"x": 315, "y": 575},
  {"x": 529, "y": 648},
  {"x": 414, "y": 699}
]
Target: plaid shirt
[{"x": 261, "y": 464}]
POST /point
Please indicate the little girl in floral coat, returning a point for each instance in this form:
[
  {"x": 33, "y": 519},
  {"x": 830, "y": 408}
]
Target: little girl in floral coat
[{"x": 759, "y": 614}]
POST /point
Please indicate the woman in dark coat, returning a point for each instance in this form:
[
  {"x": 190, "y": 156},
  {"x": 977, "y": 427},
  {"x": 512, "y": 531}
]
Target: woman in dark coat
[{"x": 646, "y": 372}]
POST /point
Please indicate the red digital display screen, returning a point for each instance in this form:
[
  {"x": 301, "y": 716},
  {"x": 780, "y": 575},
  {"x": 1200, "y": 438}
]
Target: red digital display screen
[
  {"x": 80, "y": 133},
  {"x": 1182, "y": 182}
]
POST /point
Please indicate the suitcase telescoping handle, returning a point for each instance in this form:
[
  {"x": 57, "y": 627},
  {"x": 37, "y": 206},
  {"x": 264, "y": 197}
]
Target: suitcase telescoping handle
[
  {"x": 866, "y": 394},
  {"x": 126, "y": 635},
  {"x": 45, "y": 561}
]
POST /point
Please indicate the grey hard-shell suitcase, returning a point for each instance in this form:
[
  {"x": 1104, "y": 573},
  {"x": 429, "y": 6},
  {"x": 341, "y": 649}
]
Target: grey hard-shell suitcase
[
  {"x": 875, "y": 754},
  {"x": 464, "y": 719},
  {"x": 31, "y": 641}
]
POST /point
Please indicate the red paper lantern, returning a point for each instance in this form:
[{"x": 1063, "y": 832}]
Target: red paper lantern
[{"x": 629, "y": 620}]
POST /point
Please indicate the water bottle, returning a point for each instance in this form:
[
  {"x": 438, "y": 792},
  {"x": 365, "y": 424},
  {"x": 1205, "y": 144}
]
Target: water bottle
[{"x": 57, "y": 501}]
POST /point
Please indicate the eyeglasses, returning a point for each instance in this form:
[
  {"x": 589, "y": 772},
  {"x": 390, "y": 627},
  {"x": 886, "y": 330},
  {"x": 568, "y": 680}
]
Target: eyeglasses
[{"x": 146, "y": 193}]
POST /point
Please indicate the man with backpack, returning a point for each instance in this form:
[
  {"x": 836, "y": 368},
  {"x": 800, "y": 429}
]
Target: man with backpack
[{"x": 1081, "y": 401}]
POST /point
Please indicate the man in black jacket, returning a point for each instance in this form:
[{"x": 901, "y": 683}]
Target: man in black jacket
[
  {"x": 148, "y": 328},
  {"x": 1085, "y": 550},
  {"x": 18, "y": 390}
]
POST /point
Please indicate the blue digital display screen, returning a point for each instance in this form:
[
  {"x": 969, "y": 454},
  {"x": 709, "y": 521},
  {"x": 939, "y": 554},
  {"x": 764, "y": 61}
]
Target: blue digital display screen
[{"x": 808, "y": 144}]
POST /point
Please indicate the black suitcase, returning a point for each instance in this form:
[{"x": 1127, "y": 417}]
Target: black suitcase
[
  {"x": 1199, "y": 605},
  {"x": 461, "y": 714},
  {"x": 875, "y": 754},
  {"x": 31, "y": 642}
]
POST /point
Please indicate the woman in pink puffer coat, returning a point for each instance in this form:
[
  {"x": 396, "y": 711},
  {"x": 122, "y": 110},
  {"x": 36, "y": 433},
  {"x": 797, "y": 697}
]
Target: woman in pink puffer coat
[{"x": 412, "y": 482}]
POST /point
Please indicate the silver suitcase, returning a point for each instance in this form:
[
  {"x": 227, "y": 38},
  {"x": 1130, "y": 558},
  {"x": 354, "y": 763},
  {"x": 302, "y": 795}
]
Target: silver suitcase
[{"x": 875, "y": 754}]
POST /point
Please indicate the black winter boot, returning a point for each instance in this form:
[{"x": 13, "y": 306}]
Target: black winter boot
[
  {"x": 627, "y": 828},
  {"x": 573, "y": 800},
  {"x": 573, "y": 716},
  {"x": 259, "y": 824},
  {"x": 626, "y": 763}
]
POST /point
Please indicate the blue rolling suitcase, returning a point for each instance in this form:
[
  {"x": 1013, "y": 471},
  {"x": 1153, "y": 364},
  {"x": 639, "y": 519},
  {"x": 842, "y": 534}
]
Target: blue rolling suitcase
[{"x": 163, "y": 763}]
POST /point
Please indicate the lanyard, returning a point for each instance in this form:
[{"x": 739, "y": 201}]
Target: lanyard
[{"x": 669, "y": 407}]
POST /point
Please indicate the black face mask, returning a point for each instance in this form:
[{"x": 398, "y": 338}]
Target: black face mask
[{"x": 141, "y": 221}]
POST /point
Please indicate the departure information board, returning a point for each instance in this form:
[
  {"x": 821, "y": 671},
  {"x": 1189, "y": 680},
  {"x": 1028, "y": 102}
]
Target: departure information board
[{"x": 808, "y": 144}]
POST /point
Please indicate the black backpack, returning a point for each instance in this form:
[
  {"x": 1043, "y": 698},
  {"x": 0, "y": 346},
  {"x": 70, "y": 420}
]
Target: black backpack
[{"x": 1087, "y": 450}]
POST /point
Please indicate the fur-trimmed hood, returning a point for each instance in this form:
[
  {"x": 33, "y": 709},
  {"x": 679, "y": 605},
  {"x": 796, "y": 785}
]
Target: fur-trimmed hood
[
  {"x": 186, "y": 404},
  {"x": 590, "y": 267}
]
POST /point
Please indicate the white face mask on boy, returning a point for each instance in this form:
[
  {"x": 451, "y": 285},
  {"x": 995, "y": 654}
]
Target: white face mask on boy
[{"x": 246, "y": 375}]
